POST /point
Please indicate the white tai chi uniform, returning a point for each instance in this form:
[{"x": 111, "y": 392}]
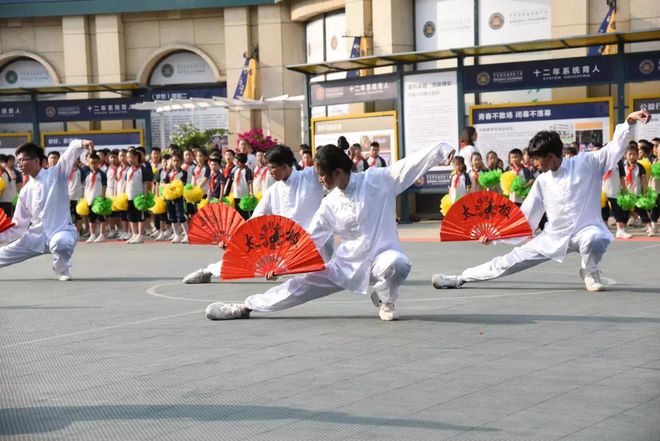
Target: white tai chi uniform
[
  {"x": 42, "y": 217},
  {"x": 571, "y": 198},
  {"x": 297, "y": 198},
  {"x": 364, "y": 216}
]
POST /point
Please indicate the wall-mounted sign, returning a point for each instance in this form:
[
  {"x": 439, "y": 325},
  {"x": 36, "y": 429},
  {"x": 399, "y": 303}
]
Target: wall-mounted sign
[
  {"x": 24, "y": 73},
  {"x": 182, "y": 68},
  {"x": 354, "y": 91},
  {"x": 650, "y": 103},
  {"x": 88, "y": 110},
  {"x": 110, "y": 139}
]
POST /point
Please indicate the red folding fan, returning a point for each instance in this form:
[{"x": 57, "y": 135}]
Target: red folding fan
[
  {"x": 484, "y": 213},
  {"x": 269, "y": 243},
  {"x": 5, "y": 222},
  {"x": 214, "y": 223}
]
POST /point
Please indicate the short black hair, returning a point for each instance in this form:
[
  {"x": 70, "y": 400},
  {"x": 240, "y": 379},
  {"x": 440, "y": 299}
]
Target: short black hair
[
  {"x": 516, "y": 152},
  {"x": 32, "y": 150},
  {"x": 203, "y": 152},
  {"x": 597, "y": 145},
  {"x": 93, "y": 155},
  {"x": 166, "y": 156},
  {"x": 544, "y": 143},
  {"x": 357, "y": 146},
  {"x": 54, "y": 153},
  {"x": 230, "y": 151},
  {"x": 242, "y": 158},
  {"x": 330, "y": 158},
  {"x": 570, "y": 150},
  {"x": 280, "y": 155},
  {"x": 304, "y": 146},
  {"x": 215, "y": 159},
  {"x": 3, "y": 158},
  {"x": 307, "y": 152},
  {"x": 632, "y": 148},
  {"x": 114, "y": 152},
  {"x": 375, "y": 144},
  {"x": 140, "y": 149},
  {"x": 155, "y": 149}
]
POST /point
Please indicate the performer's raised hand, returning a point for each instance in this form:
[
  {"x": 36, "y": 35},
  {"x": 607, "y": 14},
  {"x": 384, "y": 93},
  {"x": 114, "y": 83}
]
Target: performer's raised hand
[
  {"x": 88, "y": 144},
  {"x": 270, "y": 275},
  {"x": 642, "y": 116}
]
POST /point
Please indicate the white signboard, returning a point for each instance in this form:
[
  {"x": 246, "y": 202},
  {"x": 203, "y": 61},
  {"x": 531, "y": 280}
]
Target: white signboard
[
  {"x": 652, "y": 105},
  {"x": 503, "y": 128},
  {"x": 182, "y": 68},
  {"x": 164, "y": 123},
  {"x": 430, "y": 110},
  {"x": 507, "y": 21},
  {"x": 443, "y": 24},
  {"x": 336, "y": 47},
  {"x": 25, "y": 73}
]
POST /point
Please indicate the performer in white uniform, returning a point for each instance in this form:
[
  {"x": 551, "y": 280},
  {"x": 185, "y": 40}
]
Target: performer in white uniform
[
  {"x": 42, "y": 217},
  {"x": 569, "y": 191},
  {"x": 296, "y": 194},
  {"x": 361, "y": 210}
]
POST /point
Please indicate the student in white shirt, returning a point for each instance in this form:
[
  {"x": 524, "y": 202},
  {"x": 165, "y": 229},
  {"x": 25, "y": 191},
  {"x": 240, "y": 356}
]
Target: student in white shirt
[
  {"x": 13, "y": 182},
  {"x": 459, "y": 182},
  {"x": 374, "y": 160},
  {"x": 95, "y": 186},
  {"x": 246, "y": 148},
  {"x": 75, "y": 185},
  {"x": 137, "y": 181},
  {"x": 42, "y": 218},
  {"x": 360, "y": 209},
  {"x": 262, "y": 178},
  {"x": 516, "y": 165},
  {"x": 569, "y": 191},
  {"x": 240, "y": 183},
  {"x": 467, "y": 147},
  {"x": 199, "y": 176},
  {"x": 296, "y": 194}
]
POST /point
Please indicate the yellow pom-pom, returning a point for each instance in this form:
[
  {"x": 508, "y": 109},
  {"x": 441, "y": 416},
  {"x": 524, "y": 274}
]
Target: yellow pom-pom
[
  {"x": 445, "y": 204},
  {"x": 176, "y": 188},
  {"x": 603, "y": 199},
  {"x": 646, "y": 164},
  {"x": 154, "y": 170},
  {"x": 506, "y": 180},
  {"x": 159, "y": 206},
  {"x": 2, "y": 186},
  {"x": 193, "y": 195},
  {"x": 259, "y": 195},
  {"x": 172, "y": 191},
  {"x": 82, "y": 207},
  {"x": 203, "y": 203},
  {"x": 120, "y": 202},
  {"x": 232, "y": 200}
]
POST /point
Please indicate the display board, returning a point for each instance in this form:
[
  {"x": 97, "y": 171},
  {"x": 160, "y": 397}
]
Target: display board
[
  {"x": 103, "y": 139},
  {"x": 10, "y": 141},
  {"x": 650, "y": 103},
  {"x": 502, "y": 128},
  {"x": 164, "y": 123},
  {"x": 362, "y": 129}
]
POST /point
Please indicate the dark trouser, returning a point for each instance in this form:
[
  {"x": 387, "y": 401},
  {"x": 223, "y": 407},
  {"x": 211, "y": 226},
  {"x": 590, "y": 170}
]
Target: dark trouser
[
  {"x": 8, "y": 208},
  {"x": 134, "y": 215},
  {"x": 655, "y": 213},
  {"x": 611, "y": 208},
  {"x": 191, "y": 209},
  {"x": 175, "y": 211},
  {"x": 643, "y": 215},
  {"x": 245, "y": 214}
]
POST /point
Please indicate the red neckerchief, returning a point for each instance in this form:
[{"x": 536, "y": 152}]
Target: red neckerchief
[
  {"x": 115, "y": 170},
  {"x": 122, "y": 169},
  {"x": 629, "y": 174},
  {"x": 228, "y": 169},
  {"x": 455, "y": 180},
  {"x": 73, "y": 171},
  {"x": 93, "y": 180},
  {"x": 517, "y": 170},
  {"x": 198, "y": 171},
  {"x": 185, "y": 167},
  {"x": 476, "y": 177},
  {"x": 237, "y": 176},
  {"x": 263, "y": 173},
  {"x": 375, "y": 160},
  {"x": 133, "y": 170},
  {"x": 212, "y": 185},
  {"x": 173, "y": 174},
  {"x": 607, "y": 175}
]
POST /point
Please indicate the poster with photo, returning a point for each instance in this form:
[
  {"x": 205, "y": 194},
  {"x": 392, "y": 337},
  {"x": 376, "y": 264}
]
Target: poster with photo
[
  {"x": 502, "y": 128},
  {"x": 362, "y": 129},
  {"x": 650, "y": 103}
]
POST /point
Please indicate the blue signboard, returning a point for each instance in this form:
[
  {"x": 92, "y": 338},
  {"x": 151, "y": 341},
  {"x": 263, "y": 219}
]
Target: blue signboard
[
  {"x": 540, "y": 74},
  {"x": 89, "y": 110},
  {"x": 16, "y": 111},
  {"x": 101, "y": 139},
  {"x": 182, "y": 94},
  {"x": 643, "y": 66},
  {"x": 540, "y": 112}
]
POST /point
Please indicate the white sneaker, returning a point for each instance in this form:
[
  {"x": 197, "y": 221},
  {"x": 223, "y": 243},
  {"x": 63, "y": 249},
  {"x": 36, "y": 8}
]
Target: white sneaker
[
  {"x": 154, "y": 233},
  {"x": 65, "y": 277},
  {"x": 199, "y": 276},
  {"x": 387, "y": 312},
  {"x": 592, "y": 281},
  {"x": 184, "y": 239},
  {"x": 99, "y": 239},
  {"x": 622, "y": 234},
  {"x": 161, "y": 237},
  {"x": 227, "y": 311},
  {"x": 176, "y": 239},
  {"x": 650, "y": 231},
  {"x": 92, "y": 238},
  {"x": 125, "y": 236},
  {"x": 138, "y": 239},
  {"x": 440, "y": 281}
]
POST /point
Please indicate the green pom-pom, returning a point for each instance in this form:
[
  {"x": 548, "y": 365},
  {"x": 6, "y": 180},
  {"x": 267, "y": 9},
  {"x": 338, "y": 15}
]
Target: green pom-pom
[
  {"x": 215, "y": 200},
  {"x": 490, "y": 179},
  {"x": 15, "y": 201},
  {"x": 248, "y": 203},
  {"x": 655, "y": 170},
  {"x": 647, "y": 201},
  {"x": 188, "y": 187},
  {"x": 517, "y": 187},
  {"x": 144, "y": 203},
  {"x": 227, "y": 201},
  {"x": 626, "y": 201},
  {"x": 102, "y": 206}
]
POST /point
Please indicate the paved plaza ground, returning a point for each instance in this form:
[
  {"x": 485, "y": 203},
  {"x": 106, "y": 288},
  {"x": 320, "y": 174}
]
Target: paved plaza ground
[{"x": 124, "y": 353}]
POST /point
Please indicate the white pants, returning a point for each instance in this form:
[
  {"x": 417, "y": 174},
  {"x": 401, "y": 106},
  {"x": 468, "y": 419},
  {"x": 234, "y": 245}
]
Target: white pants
[
  {"x": 389, "y": 270},
  {"x": 61, "y": 246},
  {"x": 326, "y": 254},
  {"x": 590, "y": 242}
]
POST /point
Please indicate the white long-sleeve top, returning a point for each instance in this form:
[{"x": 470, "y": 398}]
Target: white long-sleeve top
[
  {"x": 297, "y": 198},
  {"x": 363, "y": 215},
  {"x": 43, "y": 204},
  {"x": 571, "y": 196}
]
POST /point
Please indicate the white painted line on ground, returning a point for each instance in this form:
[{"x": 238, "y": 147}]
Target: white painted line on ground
[{"x": 105, "y": 328}]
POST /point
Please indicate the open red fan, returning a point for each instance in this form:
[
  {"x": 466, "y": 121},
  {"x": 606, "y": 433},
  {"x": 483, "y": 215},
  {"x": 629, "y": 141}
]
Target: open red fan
[
  {"x": 483, "y": 213},
  {"x": 214, "y": 223},
  {"x": 5, "y": 222},
  {"x": 269, "y": 243}
]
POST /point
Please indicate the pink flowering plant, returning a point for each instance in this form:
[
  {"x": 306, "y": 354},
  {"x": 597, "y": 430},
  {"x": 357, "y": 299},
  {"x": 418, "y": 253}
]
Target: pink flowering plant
[{"x": 257, "y": 140}]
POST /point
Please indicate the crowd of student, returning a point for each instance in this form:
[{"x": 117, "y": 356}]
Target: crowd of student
[
  {"x": 130, "y": 172},
  {"x": 629, "y": 176}
]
